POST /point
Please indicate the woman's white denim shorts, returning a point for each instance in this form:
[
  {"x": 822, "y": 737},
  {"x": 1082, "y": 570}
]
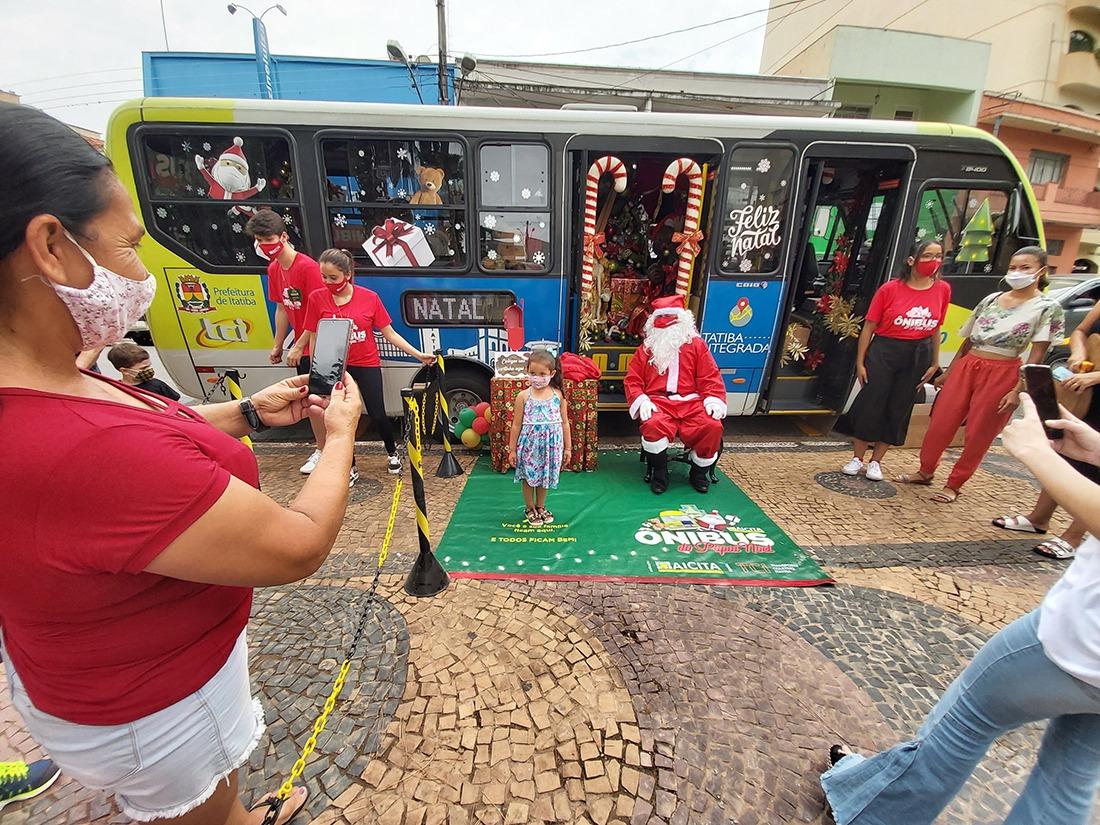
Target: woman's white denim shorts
[{"x": 165, "y": 764}]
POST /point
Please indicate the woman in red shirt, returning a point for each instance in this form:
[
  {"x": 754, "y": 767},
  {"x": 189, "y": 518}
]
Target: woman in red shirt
[
  {"x": 134, "y": 529},
  {"x": 899, "y": 349},
  {"x": 343, "y": 298}
]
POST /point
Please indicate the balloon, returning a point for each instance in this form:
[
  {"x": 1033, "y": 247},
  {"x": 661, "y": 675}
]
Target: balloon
[
  {"x": 467, "y": 416},
  {"x": 488, "y": 414},
  {"x": 481, "y": 408},
  {"x": 459, "y": 429},
  {"x": 471, "y": 439},
  {"x": 480, "y": 426}
]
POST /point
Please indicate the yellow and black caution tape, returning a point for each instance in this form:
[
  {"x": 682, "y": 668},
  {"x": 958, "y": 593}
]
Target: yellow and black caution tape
[{"x": 330, "y": 702}]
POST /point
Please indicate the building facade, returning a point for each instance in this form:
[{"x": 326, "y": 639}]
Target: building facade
[{"x": 1041, "y": 85}]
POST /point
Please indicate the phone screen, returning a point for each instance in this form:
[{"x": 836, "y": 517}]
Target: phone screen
[
  {"x": 329, "y": 354},
  {"x": 1061, "y": 373},
  {"x": 1040, "y": 386}
]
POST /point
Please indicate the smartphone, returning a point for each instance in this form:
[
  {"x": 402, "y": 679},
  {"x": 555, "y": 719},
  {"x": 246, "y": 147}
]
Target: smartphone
[
  {"x": 1039, "y": 382},
  {"x": 329, "y": 354},
  {"x": 1061, "y": 373}
]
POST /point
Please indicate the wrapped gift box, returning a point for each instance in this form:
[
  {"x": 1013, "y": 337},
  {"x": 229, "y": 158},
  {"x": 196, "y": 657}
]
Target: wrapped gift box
[
  {"x": 626, "y": 293},
  {"x": 397, "y": 243},
  {"x": 581, "y": 400}
]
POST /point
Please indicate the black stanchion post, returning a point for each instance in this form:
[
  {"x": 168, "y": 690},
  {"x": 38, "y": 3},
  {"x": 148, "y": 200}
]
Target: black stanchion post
[
  {"x": 448, "y": 465},
  {"x": 427, "y": 577}
]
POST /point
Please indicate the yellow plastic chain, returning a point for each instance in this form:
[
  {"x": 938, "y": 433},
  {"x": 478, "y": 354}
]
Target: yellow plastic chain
[{"x": 322, "y": 720}]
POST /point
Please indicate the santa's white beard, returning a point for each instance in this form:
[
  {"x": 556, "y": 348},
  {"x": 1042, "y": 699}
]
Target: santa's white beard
[
  {"x": 664, "y": 344},
  {"x": 230, "y": 178}
]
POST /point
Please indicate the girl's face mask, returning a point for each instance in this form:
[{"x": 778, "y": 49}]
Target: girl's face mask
[
  {"x": 1021, "y": 279},
  {"x": 338, "y": 287},
  {"x": 538, "y": 382}
]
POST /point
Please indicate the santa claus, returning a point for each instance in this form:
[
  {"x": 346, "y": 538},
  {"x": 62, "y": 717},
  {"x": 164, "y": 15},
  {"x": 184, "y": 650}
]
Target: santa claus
[
  {"x": 228, "y": 178},
  {"x": 674, "y": 388}
]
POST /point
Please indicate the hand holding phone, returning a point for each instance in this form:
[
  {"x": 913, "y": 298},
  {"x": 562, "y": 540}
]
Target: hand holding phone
[
  {"x": 1039, "y": 382},
  {"x": 329, "y": 354}
]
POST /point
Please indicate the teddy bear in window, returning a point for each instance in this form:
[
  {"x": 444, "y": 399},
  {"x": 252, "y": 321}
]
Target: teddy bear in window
[{"x": 431, "y": 181}]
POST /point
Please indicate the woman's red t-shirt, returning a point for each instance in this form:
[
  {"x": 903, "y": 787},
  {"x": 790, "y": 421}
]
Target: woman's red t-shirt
[
  {"x": 91, "y": 491},
  {"x": 899, "y": 311},
  {"x": 366, "y": 313}
]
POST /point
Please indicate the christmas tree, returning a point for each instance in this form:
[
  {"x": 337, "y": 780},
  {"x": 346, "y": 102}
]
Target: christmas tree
[{"x": 977, "y": 236}]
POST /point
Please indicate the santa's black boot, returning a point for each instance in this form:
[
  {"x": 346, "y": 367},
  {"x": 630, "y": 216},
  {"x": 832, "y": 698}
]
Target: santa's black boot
[
  {"x": 699, "y": 477},
  {"x": 658, "y": 471}
]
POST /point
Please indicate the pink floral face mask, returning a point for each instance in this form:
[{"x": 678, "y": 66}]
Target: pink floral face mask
[{"x": 538, "y": 382}]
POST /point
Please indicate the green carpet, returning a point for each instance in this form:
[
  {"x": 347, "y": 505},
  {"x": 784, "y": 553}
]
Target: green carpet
[{"x": 608, "y": 525}]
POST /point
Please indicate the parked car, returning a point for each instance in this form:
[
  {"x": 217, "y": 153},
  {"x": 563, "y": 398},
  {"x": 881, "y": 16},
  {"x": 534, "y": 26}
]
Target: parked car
[{"x": 1077, "y": 294}]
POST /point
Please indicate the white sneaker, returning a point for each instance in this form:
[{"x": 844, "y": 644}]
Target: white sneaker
[
  {"x": 853, "y": 467},
  {"x": 311, "y": 463},
  {"x": 353, "y": 477},
  {"x": 394, "y": 465},
  {"x": 874, "y": 471}
]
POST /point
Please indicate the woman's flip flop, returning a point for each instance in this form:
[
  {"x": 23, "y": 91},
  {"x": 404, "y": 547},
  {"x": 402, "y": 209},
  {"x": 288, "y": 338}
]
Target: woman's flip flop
[
  {"x": 946, "y": 496},
  {"x": 1056, "y": 548},
  {"x": 1018, "y": 524},
  {"x": 913, "y": 478},
  {"x": 265, "y": 802}
]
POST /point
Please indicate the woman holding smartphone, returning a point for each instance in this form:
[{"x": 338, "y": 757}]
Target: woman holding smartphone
[
  {"x": 343, "y": 298},
  {"x": 983, "y": 382},
  {"x": 1045, "y": 666}
]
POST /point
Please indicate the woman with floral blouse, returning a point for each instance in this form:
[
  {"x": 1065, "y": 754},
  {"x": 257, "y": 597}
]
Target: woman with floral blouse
[{"x": 983, "y": 382}]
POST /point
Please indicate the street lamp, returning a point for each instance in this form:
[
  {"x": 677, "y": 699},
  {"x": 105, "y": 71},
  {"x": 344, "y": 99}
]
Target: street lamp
[
  {"x": 259, "y": 39},
  {"x": 399, "y": 55}
]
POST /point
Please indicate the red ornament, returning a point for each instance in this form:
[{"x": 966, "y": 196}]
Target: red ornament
[
  {"x": 276, "y": 183},
  {"x": 814, "y": 359},
  {"x": 824, "y": 304}
]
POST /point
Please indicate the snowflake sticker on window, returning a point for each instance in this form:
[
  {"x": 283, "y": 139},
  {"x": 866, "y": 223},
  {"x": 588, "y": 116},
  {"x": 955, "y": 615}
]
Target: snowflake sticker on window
[
  {"x": 288, "y": 219},
  {"x": 186, "y": 229},
  {"x": 458, "y": 227},
  {"x": 539, "y": 258},
  {"x": 237, "y": 228},
  {"x": 429, "y": 229},
  {"x": 185, "y": 146},
  {"x": 494, "y": 176},
  {"x": 240, "y": 257},
  {"x": 491, "y": 254},
  {"x": 162, "y": 212},
  {"x": 745, "y": 265},
  {"x": 403, "y": 154},
  {"x": 538, "y": 193},
  {"x": 362, "y": 154},
  {"x": 489, "y": 221},
  {"x": 972, "y": 203},
  {"x": 782, "y": 183},
  {"x": 744, "y": 185},
  {"x": 987, "y": 268},
  {"x": 764, "y": 166},
  {"x": 340, "y": 220},
  {"x": 525, "y": 194},
  {"x": 516, "y": 239},
  {"x": 921, "y": 232},
  {"x": 403, "y": 194},
  {"x": 200, "y": 191},
  {"x": 542, "y": 224},
  {"x": 206, "y": 146}
]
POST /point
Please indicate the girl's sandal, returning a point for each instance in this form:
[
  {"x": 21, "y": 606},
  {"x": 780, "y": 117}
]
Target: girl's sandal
[
  {"x": 946, "y": 496},
  {"x": 546, "y": 516},
  {"x": 914, "y": 478},
  {"x": 1056, "y": 548},
  {"x": 533, "y": 516}
]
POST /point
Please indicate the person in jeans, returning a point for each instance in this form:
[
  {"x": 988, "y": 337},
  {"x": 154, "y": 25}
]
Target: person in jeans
[
  {"x": 1043, "y": 666},
  {"x": 983, "y": 382},
  {"x": 899, "y": 349},
  {"x": 134, "y": 527}
]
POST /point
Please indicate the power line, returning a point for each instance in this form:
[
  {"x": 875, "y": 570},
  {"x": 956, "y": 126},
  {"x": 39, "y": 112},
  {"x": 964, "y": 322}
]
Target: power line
[
  {"x": 641, "y": 39},
  {"x": 74, "y": 74},
  {"x": 793, "y": 49}
]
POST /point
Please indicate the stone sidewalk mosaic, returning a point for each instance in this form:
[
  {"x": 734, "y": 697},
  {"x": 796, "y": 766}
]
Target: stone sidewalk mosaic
[{"x": 598, "y": 703}]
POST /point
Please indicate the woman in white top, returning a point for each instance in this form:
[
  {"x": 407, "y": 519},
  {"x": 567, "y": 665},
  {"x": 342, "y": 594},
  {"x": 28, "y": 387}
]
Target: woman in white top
[
  {"x": 983, "y": 381},
  {"x": 1045, "y": 665}
]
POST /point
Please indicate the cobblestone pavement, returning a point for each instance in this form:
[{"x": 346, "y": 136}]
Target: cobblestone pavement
[{"x": 606, "y": 702}]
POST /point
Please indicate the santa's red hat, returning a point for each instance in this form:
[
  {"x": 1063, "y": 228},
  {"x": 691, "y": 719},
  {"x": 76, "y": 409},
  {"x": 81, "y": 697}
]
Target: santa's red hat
[
  {"x": 235, "y": 154},
  {"x": 668, "y": 310}
]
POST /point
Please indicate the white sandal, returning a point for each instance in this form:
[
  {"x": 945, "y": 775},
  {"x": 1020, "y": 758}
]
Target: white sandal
[{"x": 1018, "y": 524}]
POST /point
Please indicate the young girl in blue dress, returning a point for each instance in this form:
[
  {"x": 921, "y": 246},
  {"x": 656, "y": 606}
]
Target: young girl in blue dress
[{"x": 540, "y": 440}]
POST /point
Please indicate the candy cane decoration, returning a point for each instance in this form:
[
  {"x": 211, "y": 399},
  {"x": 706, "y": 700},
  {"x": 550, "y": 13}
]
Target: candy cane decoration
[
  {"x": 691, "y": 237},
  {"x": 591, "y": 240}
]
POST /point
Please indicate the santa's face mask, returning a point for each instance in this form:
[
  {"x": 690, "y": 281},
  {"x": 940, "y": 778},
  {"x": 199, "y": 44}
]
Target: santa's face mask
[
  {"x": 230, "y": 175},
  {"x": 665, "y": 320}
]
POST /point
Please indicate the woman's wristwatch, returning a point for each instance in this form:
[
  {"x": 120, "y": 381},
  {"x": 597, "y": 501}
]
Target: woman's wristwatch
[{"x": 248, "y": 410}]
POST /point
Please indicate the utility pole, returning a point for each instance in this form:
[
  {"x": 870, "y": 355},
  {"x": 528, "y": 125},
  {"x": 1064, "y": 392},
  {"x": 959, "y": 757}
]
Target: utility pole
[{"x": 441, "y": 15}]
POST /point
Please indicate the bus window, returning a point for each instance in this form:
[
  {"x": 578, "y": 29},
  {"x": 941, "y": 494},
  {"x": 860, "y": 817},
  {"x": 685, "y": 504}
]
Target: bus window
[
  {"x": 754, "y": 223},
  {"x": 513, "y": 196},
  {"x": 968, "y": 222},
  {"x": 204, "y": 186},
  {"x": 403, "y": 193}
]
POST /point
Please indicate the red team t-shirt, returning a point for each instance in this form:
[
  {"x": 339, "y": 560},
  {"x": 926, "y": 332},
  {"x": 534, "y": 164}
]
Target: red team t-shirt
[
  {"x": 366, "y": 313},
  {"x": 292, "y": 288},
  {"x": 899, "y": 311},
  {"x": 91, "y": 491}
]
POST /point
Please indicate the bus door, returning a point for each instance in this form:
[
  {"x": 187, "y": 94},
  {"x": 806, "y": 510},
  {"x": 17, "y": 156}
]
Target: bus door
[
  {"x": 636, "y": 259},
  {"x": 851, "y": 211}
]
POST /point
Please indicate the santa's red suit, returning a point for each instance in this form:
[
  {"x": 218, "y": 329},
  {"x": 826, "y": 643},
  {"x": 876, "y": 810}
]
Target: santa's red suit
[{"x": 687, "y": 398}]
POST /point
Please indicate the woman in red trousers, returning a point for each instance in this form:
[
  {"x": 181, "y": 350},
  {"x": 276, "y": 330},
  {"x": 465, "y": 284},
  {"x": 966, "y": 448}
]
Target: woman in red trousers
[{"x": 983, "y": 382}]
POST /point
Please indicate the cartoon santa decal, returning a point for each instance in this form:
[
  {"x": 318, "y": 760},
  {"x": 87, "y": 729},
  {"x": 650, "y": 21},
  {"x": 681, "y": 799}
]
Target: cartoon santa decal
[
  {"x": 227, "y": 179},
  {"x": 674, "y": 388}
]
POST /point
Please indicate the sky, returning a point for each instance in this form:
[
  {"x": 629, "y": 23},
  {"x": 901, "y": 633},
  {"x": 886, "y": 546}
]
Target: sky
[{"x": 78, "y": 59}]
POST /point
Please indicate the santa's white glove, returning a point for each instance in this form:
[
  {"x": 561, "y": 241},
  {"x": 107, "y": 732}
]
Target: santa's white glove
[
  {"x": 716, "y": 408},
  {"x": 643, "y": 408},
  {"x": 260, "y": 184}
]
